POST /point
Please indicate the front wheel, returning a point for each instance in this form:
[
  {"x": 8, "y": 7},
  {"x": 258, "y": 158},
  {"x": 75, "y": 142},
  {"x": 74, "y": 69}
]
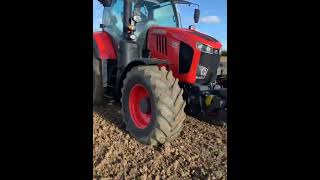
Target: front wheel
[{"x": 152, "y": 105}]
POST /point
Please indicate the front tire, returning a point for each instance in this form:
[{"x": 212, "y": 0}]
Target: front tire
[{"x": 152, "y": 105}]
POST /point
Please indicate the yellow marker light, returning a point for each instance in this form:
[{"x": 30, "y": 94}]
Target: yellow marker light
[
  {"x": 208, "y": 100},
  {"x": 131, "y": 27}
]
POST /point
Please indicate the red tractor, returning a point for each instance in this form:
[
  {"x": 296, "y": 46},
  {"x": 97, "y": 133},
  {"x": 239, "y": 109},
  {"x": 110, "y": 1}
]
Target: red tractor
[{"x": 157, "y": 69}]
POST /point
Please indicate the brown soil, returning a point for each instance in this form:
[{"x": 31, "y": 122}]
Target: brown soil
[{"x": 199, "y": 153}]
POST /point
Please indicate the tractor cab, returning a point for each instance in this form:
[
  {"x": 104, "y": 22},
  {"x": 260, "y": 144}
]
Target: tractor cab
[{"x": 140, "y": 15}]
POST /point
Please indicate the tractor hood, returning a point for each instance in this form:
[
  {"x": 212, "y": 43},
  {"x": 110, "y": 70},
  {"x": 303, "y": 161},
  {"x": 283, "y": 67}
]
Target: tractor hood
[
  {"x": 187, "y": 36},
  {"x": 181, "y": 48},
  {"x": 204, "y": 36}
]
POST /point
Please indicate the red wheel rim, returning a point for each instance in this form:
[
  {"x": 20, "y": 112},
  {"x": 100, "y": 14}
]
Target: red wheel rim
[{"x": 139, "y": 106}]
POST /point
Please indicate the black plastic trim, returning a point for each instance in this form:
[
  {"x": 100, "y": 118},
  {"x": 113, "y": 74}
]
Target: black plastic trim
[{"x": 185, "y": 58}]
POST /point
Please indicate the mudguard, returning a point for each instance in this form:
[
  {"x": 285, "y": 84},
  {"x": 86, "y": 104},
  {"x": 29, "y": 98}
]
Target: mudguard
[
  {"x": 121, "y": 74},
  {"x": 103, "y": 46},
  {"x": 152, "y": 61}
]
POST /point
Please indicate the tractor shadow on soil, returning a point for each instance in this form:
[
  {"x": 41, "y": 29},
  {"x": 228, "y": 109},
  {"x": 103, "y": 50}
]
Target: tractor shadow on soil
[{"x": 211, "y": 122}]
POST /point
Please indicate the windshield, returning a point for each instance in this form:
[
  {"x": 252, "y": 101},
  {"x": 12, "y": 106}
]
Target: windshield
[
  {"x": 160, "y": 13},
  {"x": 164, "y": 15},
  {"x": 153, "y": 13},
  {"x": 185, "y": 13}
]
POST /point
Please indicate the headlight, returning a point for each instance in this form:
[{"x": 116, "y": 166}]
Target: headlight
[
  {"x": 204, "y": 48},
  {"x": 207, "y": 49}
]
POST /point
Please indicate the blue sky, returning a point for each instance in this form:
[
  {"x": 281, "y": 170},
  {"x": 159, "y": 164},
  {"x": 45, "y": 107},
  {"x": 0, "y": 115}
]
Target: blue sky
[{"x": 213, "y": 18}]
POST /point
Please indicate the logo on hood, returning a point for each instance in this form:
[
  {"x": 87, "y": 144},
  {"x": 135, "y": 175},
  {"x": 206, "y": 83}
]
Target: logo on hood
[{"x": 173, "y": 44}]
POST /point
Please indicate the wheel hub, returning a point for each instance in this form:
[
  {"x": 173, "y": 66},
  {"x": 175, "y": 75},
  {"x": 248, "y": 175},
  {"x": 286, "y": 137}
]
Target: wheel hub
[
  {"x": 140, "y": 106},
  {"x": 145, "y": 105}
]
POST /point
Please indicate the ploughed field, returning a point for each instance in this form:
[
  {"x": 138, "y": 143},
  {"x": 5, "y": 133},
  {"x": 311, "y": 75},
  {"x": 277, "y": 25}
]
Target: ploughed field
[{"x": 200, "y": 152}]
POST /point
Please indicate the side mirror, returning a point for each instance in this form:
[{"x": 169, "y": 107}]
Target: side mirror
[
  {"x": 105, "y": 3},
  {"x": 196, "y": 15}
]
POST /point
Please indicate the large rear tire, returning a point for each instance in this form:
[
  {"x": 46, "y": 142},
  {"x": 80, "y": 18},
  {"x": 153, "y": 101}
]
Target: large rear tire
[
  {"x": 98, "y": 89},
  {"x": 152, "y": 105}
]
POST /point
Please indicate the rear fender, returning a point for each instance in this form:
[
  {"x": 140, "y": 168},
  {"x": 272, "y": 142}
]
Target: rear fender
[
  {"x": 103, "y": 46},
  {"x": 104, "y": 49}
]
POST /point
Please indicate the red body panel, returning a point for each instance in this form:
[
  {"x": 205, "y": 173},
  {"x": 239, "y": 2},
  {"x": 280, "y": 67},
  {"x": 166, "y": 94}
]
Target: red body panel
[
  {"x": 174, "y": 36},
  {"x": 105, "y": 46}
]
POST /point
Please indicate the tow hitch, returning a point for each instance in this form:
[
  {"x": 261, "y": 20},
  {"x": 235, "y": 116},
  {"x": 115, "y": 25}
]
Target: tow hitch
[
  {"x": 215, "y": 107},
  {"x": 207, "y": 102}
]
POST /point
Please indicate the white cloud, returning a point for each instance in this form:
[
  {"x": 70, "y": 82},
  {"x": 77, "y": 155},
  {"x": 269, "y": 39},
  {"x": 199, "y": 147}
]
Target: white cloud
[{"x": 209, "y": 20}]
